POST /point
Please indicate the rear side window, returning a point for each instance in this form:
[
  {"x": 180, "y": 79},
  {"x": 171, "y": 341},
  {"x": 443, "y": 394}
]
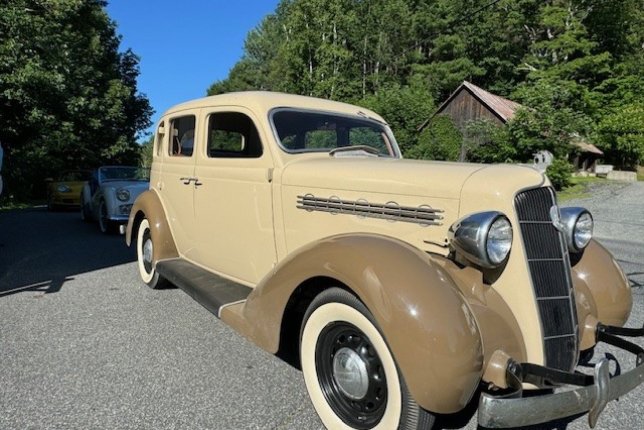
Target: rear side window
[
  {"x": 182, "y": 135},
  {"x": 233, "y": 135}
]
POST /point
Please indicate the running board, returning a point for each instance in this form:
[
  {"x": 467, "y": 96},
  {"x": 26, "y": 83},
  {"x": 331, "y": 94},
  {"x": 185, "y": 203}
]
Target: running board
[{"x": 211, "y": 291}]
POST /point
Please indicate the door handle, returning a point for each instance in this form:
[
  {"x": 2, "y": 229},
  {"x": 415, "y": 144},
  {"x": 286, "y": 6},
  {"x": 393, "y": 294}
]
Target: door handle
[
  {"x": 197, "y": 182},
  {"x": 186, "y": 181}
]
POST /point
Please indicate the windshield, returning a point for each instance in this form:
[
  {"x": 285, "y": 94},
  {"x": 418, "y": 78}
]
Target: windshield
[
  {"x": 74, "y": 176},
  {"x": 123, "y": 174},
  {"x": 306, "y": 131}
]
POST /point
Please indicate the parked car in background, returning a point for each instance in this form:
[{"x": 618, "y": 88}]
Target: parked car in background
[
  {"x": 399, "y": 287},
  {"x": 109, "y": 194},
  {"x": 65, "y": 191}
]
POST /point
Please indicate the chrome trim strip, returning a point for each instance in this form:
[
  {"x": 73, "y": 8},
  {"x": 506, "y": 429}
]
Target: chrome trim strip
[{"x": 392, "y": 211}]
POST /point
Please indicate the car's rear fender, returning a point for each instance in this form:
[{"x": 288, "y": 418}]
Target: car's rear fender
[
  {"x": 426, "y": 322},
  {"x": 148, "y": 205}
]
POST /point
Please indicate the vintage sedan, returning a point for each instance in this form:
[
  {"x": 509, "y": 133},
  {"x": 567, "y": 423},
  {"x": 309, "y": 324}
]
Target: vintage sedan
[
  {"x": 399, "y": 287},
  {"x": 65, "y": 191},
  {"x": 109, "y": 194}
]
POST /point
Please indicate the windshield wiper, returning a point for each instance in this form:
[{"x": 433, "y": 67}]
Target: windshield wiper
[{"x": 370, "y": 150}]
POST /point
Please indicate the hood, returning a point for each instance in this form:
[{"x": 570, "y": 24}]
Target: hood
[{"x": 381, "y": 175}]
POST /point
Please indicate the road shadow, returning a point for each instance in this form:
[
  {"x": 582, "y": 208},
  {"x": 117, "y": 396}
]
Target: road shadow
[{"x": 41, "y": 250}]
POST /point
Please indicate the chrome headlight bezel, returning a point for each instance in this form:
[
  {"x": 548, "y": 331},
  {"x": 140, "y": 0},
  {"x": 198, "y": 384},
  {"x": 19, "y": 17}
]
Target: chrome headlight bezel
[
  {"x": 62, "y": 188},
  {"x": 577, "y": 235},
  {"x": 470, "y": 236},
  {"x": 123, "y": 194}
]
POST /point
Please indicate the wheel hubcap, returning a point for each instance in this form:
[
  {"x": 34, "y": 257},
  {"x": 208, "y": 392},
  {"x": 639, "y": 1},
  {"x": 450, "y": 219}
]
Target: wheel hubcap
[
  {"x": 350, "y": 373},
  {"x": 147, "y": 251}
]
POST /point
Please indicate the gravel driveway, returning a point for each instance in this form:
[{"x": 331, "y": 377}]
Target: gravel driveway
[{"x": 84, "y": 345}]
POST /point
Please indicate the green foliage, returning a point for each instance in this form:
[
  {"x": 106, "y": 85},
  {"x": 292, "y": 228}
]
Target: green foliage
[
  {"x": 622, "y": 134},
  {"x": 440, "y": 140},
  {"x": 559, "y": 173},
  {"x": 487, "y": 142},
  {"x": 68, "y": 97},
  {"x": 572, "y": 63},
  {"x": 147, "y": 151},
  {"x": 404, "y": 108}
]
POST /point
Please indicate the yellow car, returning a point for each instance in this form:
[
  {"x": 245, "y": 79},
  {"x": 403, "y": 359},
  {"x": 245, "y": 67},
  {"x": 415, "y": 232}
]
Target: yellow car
[{"x": 65, "y": 192}]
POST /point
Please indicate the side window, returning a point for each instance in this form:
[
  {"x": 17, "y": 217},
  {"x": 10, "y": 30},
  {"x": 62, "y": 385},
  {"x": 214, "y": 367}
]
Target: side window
[
  {"x": 159, "y": 138},
  {"x": 232, "y": 135},
  {"x": 182, "y": 136}
]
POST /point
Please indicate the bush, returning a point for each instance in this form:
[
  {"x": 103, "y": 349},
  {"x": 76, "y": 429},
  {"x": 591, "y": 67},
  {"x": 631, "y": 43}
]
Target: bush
[{"x": 559, "y": 173}]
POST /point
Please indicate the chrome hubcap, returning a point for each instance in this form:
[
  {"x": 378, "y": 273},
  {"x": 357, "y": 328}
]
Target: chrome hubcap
[
  {"x": 350, "y": 373},
  {"x": 147, "y": 251}
]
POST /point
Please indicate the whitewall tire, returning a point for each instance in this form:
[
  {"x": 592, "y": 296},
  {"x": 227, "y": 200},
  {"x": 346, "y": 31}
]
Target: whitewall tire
[
  {"x": 145, "y": 257},
  {"x": 349, "y": 371}
]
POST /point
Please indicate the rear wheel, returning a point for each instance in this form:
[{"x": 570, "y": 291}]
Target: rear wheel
[
  {"x": 350, "y": 374},
  {"x": 145, "y": 257},
  {"x": 84, "y": 210}
]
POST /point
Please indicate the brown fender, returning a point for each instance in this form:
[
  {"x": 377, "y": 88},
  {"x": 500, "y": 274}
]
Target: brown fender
[
  {"x": 148, "y": 205},
  {"x": 499, "y": 328},
  {"x": 604, "y": 287},
  {"x": 428, "y": 325}
]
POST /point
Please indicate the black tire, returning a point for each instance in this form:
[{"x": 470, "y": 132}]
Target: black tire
[
  {"x": 350, "y": 374},
  {"x": 105, "y": 225},
  {"x": 84, "y": 210},
  {"x": 145, "y": 258}
]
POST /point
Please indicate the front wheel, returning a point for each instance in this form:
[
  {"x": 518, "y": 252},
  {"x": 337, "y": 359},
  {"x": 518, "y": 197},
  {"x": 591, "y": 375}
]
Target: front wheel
[
  {"x": 104, "y": 223},
  {"x": 145, "y": 257},
  {"x": 350, "y": 374}
]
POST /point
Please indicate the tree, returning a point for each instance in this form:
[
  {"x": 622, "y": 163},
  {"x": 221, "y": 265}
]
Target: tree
[
  {"x": 404, "y": 108},
  {"x": 440, "y": 140},
  {"x": 68, "y": 97},
  {"x": 622, "y": 135}
]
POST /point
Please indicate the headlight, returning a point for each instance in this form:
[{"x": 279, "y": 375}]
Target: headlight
[
  {"x": 577, "y": 226},
  {"x": 484, "y": 238},
  {"x": 122, "y": 194},
  {"x": 499, "y": 240},
  {"x": 63, "y": 188}
]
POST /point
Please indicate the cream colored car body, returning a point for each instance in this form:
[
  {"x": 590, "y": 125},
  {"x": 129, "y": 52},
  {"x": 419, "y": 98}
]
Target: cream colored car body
[{"x": 247, "y": 220}]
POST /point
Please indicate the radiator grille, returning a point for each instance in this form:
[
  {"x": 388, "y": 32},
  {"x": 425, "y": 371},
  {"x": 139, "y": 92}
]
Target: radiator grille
[{"x": 549, "y": 266}]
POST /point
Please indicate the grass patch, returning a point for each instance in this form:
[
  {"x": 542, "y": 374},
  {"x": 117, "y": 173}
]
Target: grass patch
[
  {"x": 579, "y": 188},
  {"x": 640, "y": 173}
]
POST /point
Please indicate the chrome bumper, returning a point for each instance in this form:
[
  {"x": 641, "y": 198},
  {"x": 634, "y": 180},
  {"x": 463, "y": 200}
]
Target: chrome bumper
[
  {"x": 118, "y": 218},
  {"x": 512, "y": 410}
]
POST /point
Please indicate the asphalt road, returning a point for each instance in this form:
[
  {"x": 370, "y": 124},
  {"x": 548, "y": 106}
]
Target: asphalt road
[{"x": 84, "y": 345}]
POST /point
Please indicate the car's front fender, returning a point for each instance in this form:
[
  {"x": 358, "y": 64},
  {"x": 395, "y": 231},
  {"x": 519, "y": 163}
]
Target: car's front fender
[{"x": 427, "y": 324}]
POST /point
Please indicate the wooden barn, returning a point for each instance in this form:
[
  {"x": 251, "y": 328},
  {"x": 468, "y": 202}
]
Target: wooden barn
[{"x": 471, "y": 103}]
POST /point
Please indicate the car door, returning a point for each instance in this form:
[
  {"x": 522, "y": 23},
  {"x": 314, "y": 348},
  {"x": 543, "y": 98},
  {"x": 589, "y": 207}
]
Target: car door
[
  {"x": 233, "y": 197},
  {"x": 176, "y": 183}
]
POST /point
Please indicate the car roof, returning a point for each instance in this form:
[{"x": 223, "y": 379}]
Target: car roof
[{"x": 264, "y": 101}]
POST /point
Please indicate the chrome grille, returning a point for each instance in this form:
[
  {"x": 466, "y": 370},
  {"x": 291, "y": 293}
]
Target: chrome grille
[{"x": 549, "y": 266}]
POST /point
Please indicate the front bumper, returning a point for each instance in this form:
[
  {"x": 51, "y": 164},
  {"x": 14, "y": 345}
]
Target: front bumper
[
  {"x": 513, "y": 410},
  {"x": 118, "y": 218}
]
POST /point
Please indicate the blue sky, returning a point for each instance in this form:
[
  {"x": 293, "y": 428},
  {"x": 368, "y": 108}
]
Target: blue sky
[{"x": 184, "y": 45}]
